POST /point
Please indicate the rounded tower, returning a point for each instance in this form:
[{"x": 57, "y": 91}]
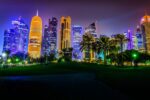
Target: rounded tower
[{"x": 35, "y": 37}]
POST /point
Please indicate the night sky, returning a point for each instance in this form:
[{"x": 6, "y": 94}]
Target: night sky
[{"x": 113, "y": 16}]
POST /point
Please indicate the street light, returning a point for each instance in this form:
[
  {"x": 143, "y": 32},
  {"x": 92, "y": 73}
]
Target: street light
[
  {"x": 9, "y": 60},
  {"x": 134, "y": 55},
  {"x": 17, "y": 59},
  {"x": 4, "y": 55}
]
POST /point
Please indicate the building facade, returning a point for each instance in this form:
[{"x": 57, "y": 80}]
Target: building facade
[
  {"x": 77, "y": 33},
  {"x": 49, "y": 44},
  {"x": 139, "y": 37},
  {"x": 92, "y": 30},
  {"x": 65, "y": 33},
  {"x": 129, "y": 44},
  {"x": 145, "y": 29},
  {"x": 35, "y": 37},
  {"x": 16, "y": 38}
]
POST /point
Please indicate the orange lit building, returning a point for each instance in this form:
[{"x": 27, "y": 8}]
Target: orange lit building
[
  {"x": 65, "y": 33},
  {"x": 145, "y": 28},
  {"x": 35, "y": 37}
]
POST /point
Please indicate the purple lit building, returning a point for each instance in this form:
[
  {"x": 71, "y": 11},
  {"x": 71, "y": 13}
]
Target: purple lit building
[
  {"x": 49, "y": 44},
  {"x": 16, "y": 38},
  {"x": 77, "y": 33},
  {"x": 129, "y": 44}
]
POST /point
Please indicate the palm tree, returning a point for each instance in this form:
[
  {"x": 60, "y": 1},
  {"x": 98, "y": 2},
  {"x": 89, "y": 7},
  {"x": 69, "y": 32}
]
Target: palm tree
[
  {"x": 87, "y": 43},
  {"x": 121, "y": 39},
  {"x": 67, "y": 53},
  {"x": 104, "y": 44}
]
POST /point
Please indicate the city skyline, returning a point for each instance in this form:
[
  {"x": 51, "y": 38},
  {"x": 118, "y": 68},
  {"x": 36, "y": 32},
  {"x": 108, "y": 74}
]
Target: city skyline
[{"x": 109, "y": 21}]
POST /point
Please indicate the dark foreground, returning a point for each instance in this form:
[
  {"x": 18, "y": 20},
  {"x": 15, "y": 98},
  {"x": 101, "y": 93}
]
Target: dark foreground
[
  {"x": 77, "y": 86},
  {"x": 75, "y": 81}
]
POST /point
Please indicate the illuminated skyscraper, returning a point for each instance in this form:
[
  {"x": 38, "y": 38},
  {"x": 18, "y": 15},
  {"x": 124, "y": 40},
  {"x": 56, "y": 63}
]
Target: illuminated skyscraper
[
  {"x": 35, "y": 37},
  {"x": 16, "y": 39},
  {"x": 49, "y": 43},
  {"x": 92, "y": 30},
  {"x": 135, "y": 42},
  {"x": 145, "y": 28},
  {"x": 139, "y": 37},
  {"x": 77, "y": 32},
  {"x": 65, "y": 33},
  {"x": 129, "y": 44}
]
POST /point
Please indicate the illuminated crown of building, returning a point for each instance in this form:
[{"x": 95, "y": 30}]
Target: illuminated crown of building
[{"x": 146, "y": 18}]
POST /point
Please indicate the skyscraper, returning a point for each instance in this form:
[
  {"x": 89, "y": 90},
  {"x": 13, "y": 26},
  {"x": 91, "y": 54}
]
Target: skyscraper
[
  {"x": 139, "y": 37},
  {"x": 135, "y": 42},
  {"x": 49, "y": 43},
  {"x": 129, "y": 44},
  {"x": 92, "y": 30},
  {"x": 145, "y": 28},
  {"x": 35, "y": 37},
  {"x": 77, "y": 32},
  {"x": 16, "y": 38},
  {"x": 65, "y": 33}
]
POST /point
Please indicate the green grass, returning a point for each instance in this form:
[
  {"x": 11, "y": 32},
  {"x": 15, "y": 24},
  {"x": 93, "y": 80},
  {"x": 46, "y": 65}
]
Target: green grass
[
  {"x": 45, "y": 69},
  {"x": 129, "y": 80}
]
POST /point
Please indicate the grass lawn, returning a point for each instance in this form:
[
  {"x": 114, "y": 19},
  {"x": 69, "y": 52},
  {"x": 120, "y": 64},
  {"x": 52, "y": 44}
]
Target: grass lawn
[{"x": 131, "y": 81}]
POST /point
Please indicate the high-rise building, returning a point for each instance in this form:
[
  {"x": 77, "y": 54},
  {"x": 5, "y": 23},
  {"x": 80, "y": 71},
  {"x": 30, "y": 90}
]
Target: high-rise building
[
  {"x": 129, "y": 44},
  {"x": 92, "y": 30},
  {"x": 139, "y": 37},
  {"x": 16, "y": 38},
  {"x": 65, "y": 33},
  {"x": 35, "y": 37},
  {"x": 135, "y": 42},
  {"x": 77, "y": 33},
  {"x": 49, "y": 44},
  {"x": 145, "y": 29}
]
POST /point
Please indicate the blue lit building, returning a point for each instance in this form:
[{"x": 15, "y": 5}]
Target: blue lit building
[
  {"x": 139, "y": 36},
  {"x": 49, "y": 44},
  {"x": 77, "y": 33},
  {"x": 16, "y": 38}
]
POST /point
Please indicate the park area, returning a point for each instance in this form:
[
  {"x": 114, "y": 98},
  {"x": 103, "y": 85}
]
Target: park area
[{"x": 131, "y": 82}]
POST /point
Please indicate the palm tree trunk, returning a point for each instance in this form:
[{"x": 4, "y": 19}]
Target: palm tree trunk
[
  {"x": 105, "y": 58},
  {"x": 121, "y": 45}
]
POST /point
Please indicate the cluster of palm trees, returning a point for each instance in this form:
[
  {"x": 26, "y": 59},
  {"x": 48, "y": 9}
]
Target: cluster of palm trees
[{"x": 103, "y": 44}]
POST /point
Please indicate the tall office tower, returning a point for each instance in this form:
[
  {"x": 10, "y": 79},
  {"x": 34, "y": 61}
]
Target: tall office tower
[
  {"x": 129, "y": 44},
  {"x": 49, "y": 44},
  {"x": 92, "y": 30},
  {"x": 65, "y": 33},
  {"x": 135, "y": 42},
  {"x": 77, "y": 33},
  {"x": 139, "y": 37},
  {"x": 35, "y": 37},
  {"x": 16, "y": 38},
  {"x": 145, "y": 28}
]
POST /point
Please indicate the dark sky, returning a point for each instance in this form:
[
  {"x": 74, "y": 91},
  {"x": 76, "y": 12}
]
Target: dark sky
[{"x": 113, "y": 16}]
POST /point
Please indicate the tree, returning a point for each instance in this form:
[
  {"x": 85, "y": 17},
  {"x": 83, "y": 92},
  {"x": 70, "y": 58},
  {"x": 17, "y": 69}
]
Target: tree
[
  {"x": 104, "y": 44},
  {"x": 113, "y": 57},
  {"x": 67, "y": 54},
  {"x": 121, "y": 39},
  {"x": 87, "y": 43},
  {"x": 51, "y": 57}
]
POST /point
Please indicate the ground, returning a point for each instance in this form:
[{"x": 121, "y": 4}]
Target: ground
[{"x": 76, "y": 81}]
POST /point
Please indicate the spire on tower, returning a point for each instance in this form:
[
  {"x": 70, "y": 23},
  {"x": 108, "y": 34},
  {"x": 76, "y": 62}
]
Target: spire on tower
[{"x": 37, "y": 13}]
